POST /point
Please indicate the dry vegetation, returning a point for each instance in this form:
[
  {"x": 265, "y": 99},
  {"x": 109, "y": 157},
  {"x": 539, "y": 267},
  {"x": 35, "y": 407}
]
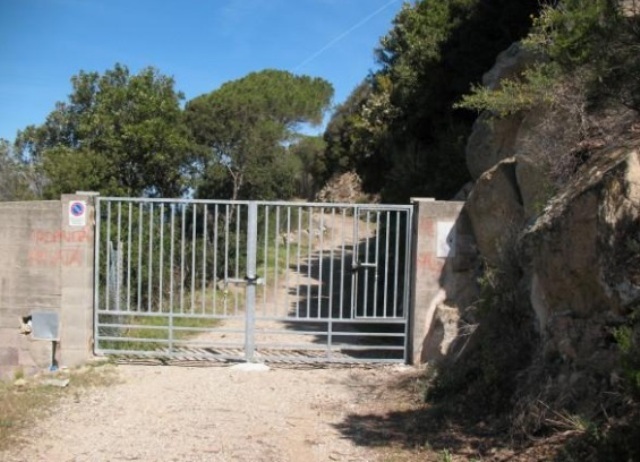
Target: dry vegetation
[{"x": 24, "y": 400}]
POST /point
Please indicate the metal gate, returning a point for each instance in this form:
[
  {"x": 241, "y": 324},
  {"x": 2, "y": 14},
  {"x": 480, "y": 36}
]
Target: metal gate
[{"x": 252, "y": 280}]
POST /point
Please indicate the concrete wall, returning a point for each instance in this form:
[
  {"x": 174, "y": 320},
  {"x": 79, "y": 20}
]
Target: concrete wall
[
  {"x": 444, "y": 278},
  {"x": 46, "y": 265}
]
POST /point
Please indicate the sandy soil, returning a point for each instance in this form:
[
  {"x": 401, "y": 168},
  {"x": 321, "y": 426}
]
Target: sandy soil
[{"x": 216, "y": 413}]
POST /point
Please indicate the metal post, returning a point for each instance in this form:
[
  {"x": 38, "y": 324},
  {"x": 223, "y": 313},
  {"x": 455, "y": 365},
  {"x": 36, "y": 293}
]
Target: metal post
[
  {"x": 171, "y": 273},
  {"x": 252, "y": 247},
  {"x": 96, "y": 276},
  {"x": 407, "y": 313}
]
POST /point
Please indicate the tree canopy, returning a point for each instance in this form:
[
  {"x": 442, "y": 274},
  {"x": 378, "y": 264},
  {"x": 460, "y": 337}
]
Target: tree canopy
[
  {"x": 309, "y": 154},
  {"x": 242, "y": 129},
  {"x": 118, "y": 133},
  {"x": 357, "y": 134},
  {"x": 405, "y": 126},
  {"x": 17, "y": 181}
]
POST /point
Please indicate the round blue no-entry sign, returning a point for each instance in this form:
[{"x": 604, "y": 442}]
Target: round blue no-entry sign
[
  {"x": 77, "y": 213},
  {"x": 77, "y": 209}
]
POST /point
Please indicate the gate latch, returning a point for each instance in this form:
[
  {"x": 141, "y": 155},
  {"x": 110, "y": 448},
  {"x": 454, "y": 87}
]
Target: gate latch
[
  {"x": 256, "y": 280},
  {"x": 246, "y": 280},
  {"x": 360, "y": 265}
]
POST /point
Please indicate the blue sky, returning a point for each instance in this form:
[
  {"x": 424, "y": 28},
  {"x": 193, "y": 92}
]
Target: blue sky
[{"x": 201, "y": 43}]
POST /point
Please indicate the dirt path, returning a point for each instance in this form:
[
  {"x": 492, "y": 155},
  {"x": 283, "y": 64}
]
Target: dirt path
[
  {"x": 280, "y": 295},
  {"x": 221, "y": 413}
]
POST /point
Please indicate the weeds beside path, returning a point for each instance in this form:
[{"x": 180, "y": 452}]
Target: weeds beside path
[{"x": 24, "y": 401}]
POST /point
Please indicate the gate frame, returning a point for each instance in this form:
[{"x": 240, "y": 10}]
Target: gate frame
[{"x": 251, "y": 270}]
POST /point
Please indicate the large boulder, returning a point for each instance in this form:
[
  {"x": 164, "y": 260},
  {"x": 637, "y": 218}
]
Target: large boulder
[
  {"x": 509, "y": 65},
  {"x": 583, "y": 256},
  {"x": 555, "y": 213},
  {"x": 495, "y": 210},
  {"x": 493, "y": 139},
  {"x": 534, "y": 185}
]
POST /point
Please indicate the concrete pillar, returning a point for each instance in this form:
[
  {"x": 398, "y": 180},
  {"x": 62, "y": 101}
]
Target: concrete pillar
[
  {"x": 436, "y": 242},
  {"x": 77, "y": 257}
]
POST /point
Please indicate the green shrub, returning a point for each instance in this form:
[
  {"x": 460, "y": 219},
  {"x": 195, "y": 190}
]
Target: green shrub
[
  {"x": 534, "y": 88},
  {"x": 629, "y": 346},
  {"x": 591, "y": 41},
  {"x": 570, "y": 32}
]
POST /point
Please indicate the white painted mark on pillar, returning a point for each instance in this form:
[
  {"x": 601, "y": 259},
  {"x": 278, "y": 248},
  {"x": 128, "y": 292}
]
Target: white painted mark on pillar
[{"x": 446, "y": 239}]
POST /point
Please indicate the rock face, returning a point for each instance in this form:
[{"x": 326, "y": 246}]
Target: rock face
[
  {"x": 494, "y": 208},
  {"x": 493, "y": 139},
  {"x": 509, "y": 65},
  {"x": 573, "y": 246},
  {"x": 570, "y": 244},
  {"x": 580, "y": 255}
]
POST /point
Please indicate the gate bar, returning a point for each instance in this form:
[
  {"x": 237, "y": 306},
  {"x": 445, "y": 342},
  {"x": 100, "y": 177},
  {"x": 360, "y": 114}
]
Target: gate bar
[{"x": 252, "y": 248}]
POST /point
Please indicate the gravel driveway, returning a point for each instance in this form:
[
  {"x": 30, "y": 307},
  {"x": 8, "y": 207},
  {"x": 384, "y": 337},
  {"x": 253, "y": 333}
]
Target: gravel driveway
[{"x": 216, "y": 413}]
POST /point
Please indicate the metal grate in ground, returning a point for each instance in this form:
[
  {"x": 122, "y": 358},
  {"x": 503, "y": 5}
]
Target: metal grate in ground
[{"x": 275, "y": 356}]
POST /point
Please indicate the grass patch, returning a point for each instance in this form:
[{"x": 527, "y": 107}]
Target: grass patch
[
  {"x": 149, "y": 333},
  {"x": 24, "y": 401}
]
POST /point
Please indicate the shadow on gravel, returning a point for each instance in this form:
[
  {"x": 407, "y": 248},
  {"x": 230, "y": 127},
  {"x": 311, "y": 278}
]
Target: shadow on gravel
[
  {"x": 395, "y": 418},
  {"x": 419, "y": 429},
  {"x": 433, "y": 430},
  {"x": 429, "y": 431}
]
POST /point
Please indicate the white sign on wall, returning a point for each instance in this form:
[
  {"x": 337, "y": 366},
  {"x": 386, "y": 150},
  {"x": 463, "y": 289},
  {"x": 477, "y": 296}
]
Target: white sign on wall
[
  {"x": 77, "y": 213},
  {"x": 446, "y": 239}
]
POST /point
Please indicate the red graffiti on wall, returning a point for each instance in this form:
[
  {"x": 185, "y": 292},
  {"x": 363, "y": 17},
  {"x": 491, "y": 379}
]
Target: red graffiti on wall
[
  {"x": 50, "y": 257},
  {"x": 52, "y": 248},
  {"x": 44, "y": 236}
]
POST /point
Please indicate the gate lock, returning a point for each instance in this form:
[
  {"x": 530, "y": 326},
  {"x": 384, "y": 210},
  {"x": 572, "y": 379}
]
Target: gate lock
[{"x": 256, "y": 281}]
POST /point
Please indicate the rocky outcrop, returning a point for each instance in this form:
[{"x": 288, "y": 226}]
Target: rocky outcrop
[
  {"x": 568, "y": 249},
  {"x": 509, "y": 65},
  {"x": 493, "y": 139},
  {"x": 580, "y": 262},
  {"x": 495, "y": 209},
  {"x": 580, "y": 251}
]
